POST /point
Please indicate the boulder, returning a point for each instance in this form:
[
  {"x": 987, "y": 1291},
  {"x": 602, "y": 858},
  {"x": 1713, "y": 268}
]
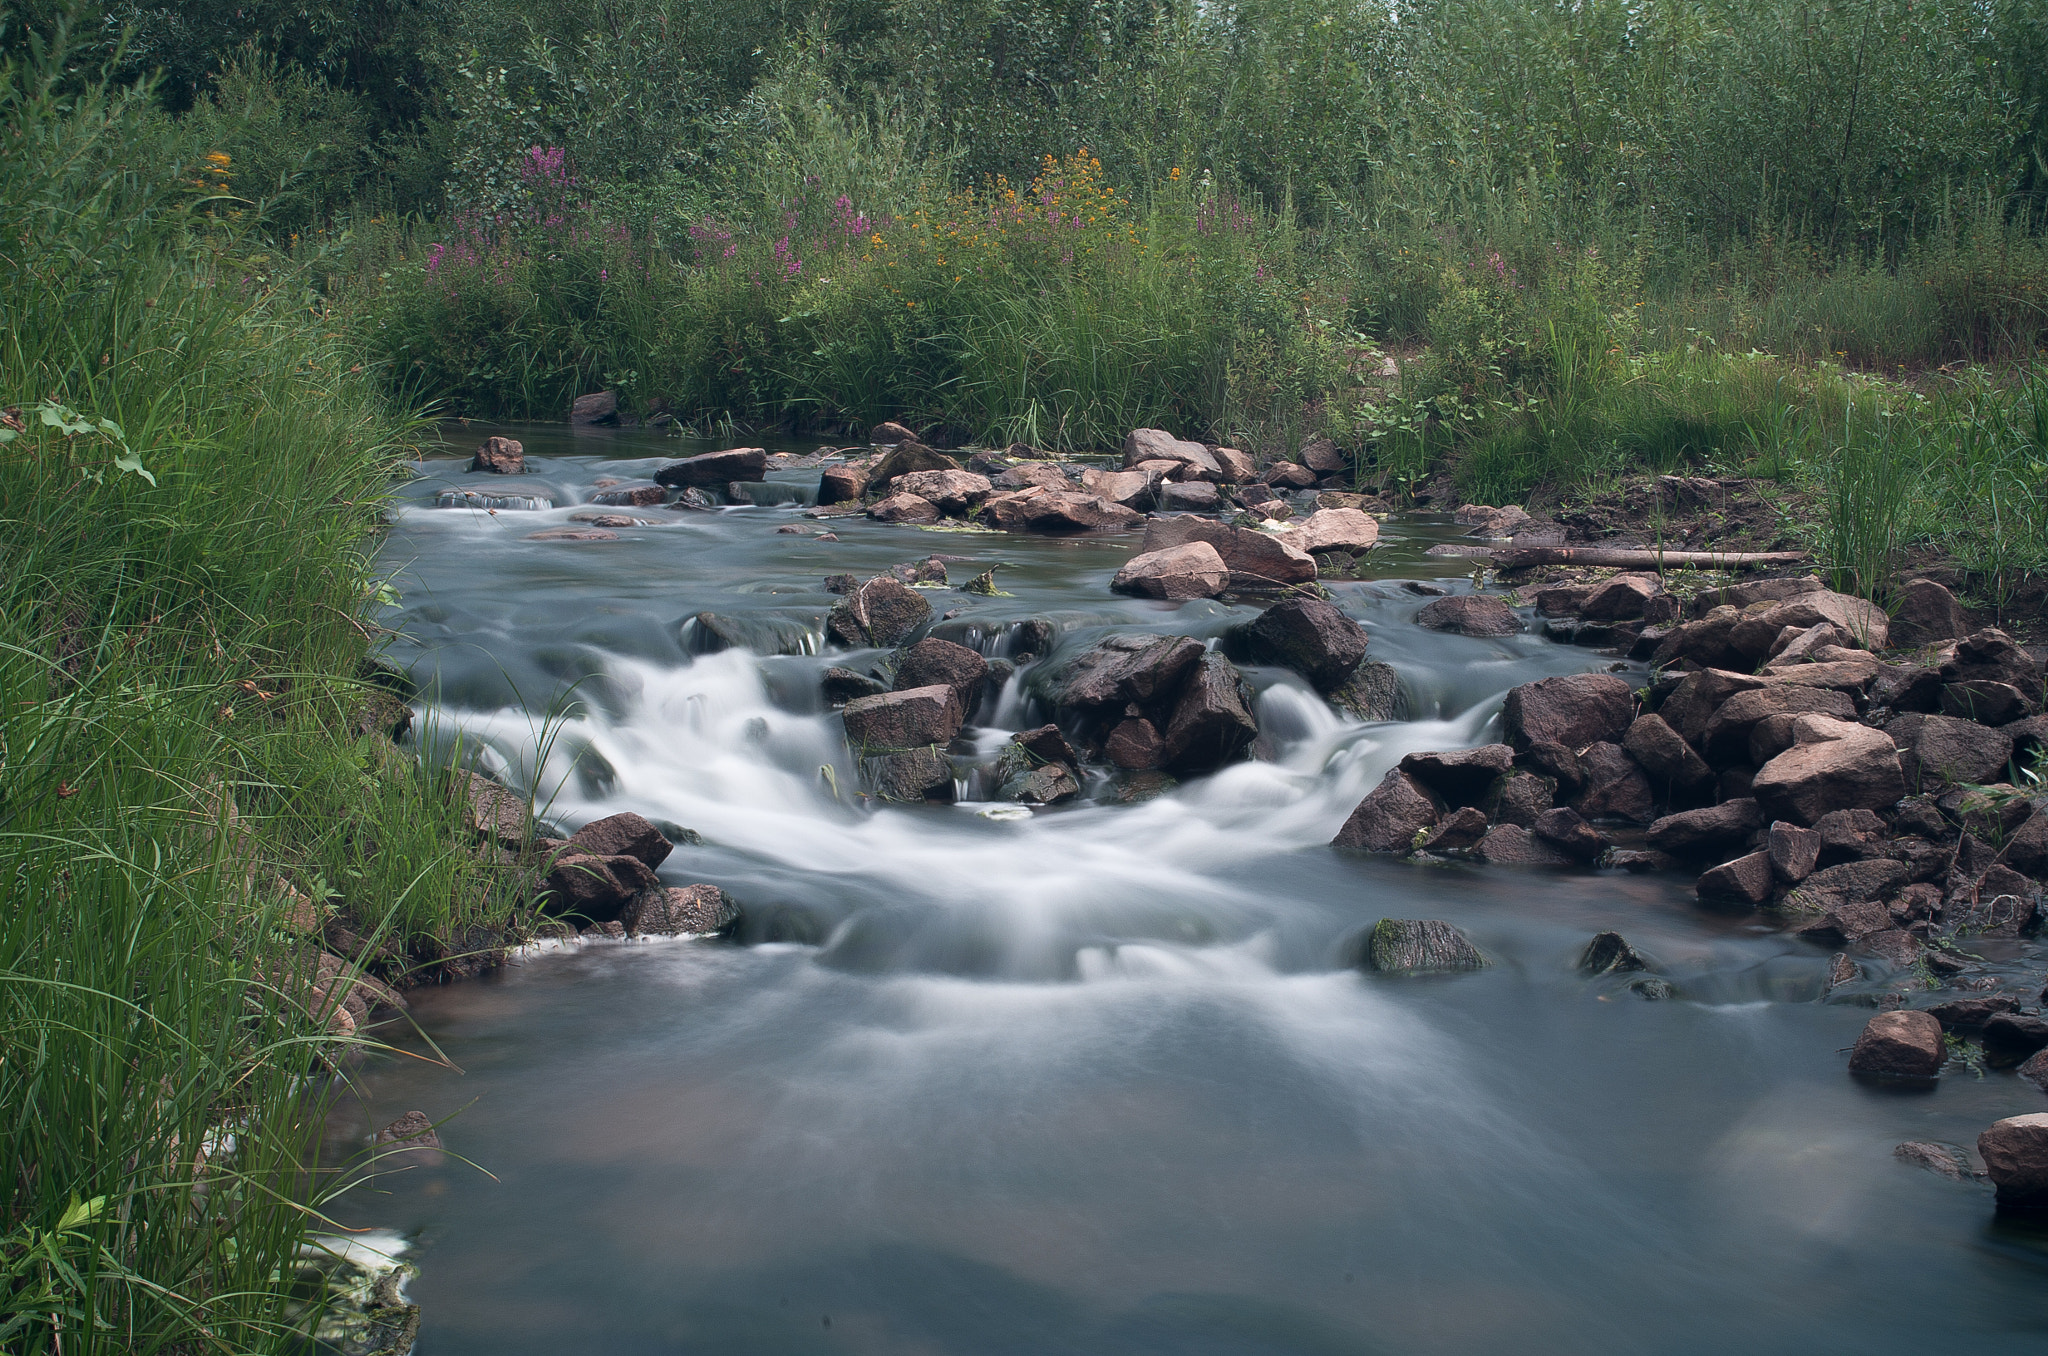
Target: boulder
[
  {"x": 1178, "y": 572},
  {"x": 1237, "y": 466},
  {"x": 1392, "y": 816},
  {"x": 844, "y": 685},
  {"x": 2026, "y": 850},
  {"x": 889, "y": 433},
  {"x": 1463, "y": 776},
  {"x": 1518, "y": 798},
  {"x": 1851, "y": 671},
  {"x": 2009, "y": 1037},
  {"x": 1048, "y": 785},
  {"x": 954, "y": 492},
  {"x": 930, "y": 570},
  {"x": 1902, "y": 1044},
  {"x": 1847, "y": 885},
  {"x": 1314, "y": 638},
  {"x": 1992, "y": 656},
  {"x": 1133, "y": 489},
  {"x": 1859, "y": 617},
  {"x": 492, "y": 813},
  {"x": 1460, "y": 831},
  {"x": 1703, "y": 642},
  {"x": 1613, "y": 786},
  {"x": 1755, "y": 591},
  {"x": 1928, "y": 614},
  {"x": 1725, "y": 741},
  {"x": 1548, "y": 758},
  {"x": 1513, "y": 845},
  {"x": 1134, "y": 744},
  {"x": 1799, "y": 647},
  {"x": 666, "y": 910},
  {"x": 1055, "y": 512},
  {"x": 597, "y": 408},
  {"x": 1746, "y": 880},
  {"x": 1046, "y": 745},
  {"x": 1567, "y": 831},
  {"x": 1338, "y": 529},
  {"x": 1470, "y": 614},
  {"x": 1708, "y": 830},
  {"x": 713, "y": 469},
  {"x": 883, "y": 612},
  {"x": 1833, "y": 765},
  {"x": 1970, "y": 1014},
  {"x": 1938, "y": 751},
  {"x": 1374, "y": 693},
  {"x": 903, "y": 719},
  {"x": 1688, "y": 707},
  {"x": 1192, "y": 496},
  {"x": 1610, "y": 954},
  {"x": 841, "y": 485},
  {"x": 2035, "y": 1070},
  {"x": 1037, "y": 476},
  {"x": 1255, "y": 558},
  {"x": 1794, "y": 851},
  {"x": 1212, "y": 723},
  {"x": 934, "y": 661},
  {"x": 910, "y": 775},
  {"x": 622, "y": 835},
  {"x": 1573, "y": 710},
  {"x": 1140, "y": 670},
  {"x": 1155, "y": 444},
  {"x": 593, "y": 887},
  {"x": 504, "y": 456},
  {"x": 1668, "y": 760},
  {"x": 1320, "y": 455},
  {"x": 1619, "y": 598},
  {"x": 904, "y": 508},
  {"x": 2015, "y": 1154},
  {"x": 631, "y": 496},
  {"x": 1419, "y": 946},
  {"x": 1984, "y": 701},
  {"x": 1498, "y": 524},
  {"x": 908, "y": 459}
]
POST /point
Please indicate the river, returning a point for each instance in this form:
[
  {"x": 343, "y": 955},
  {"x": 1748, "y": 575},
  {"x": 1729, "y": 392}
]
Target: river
[{"x": 1099, "y": 1078}]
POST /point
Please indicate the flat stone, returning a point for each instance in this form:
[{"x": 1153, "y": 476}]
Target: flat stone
[
  {"x": 1156, "y": 444},
  {"x": 1255, "y": 558},
  {"x": 1620, "y": 597},
  {"x": 714, "y": 469},
  {"x": 1938, "y": 1159},
  {"x": 1971, "y": 1013},
  {"x": 1705, "y": 830},
  {"x": 904, "y": 508},
  {"x": 1567, "y": 830},
  {"x": 1338, "y": 529},
  {"x": 1056, "y": 512},
  {"x": 1191, "y": 496},
  {"x": 1849, "y": 883},
  {"x": 1193, "y": 570},
  {"x": 1122, "y": 670},
  {"x": 953, "y": 492}
]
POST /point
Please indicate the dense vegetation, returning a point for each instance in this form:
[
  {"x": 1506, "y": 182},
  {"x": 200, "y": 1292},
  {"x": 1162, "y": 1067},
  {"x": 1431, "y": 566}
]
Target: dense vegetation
[{"x": 242, "y": 238}]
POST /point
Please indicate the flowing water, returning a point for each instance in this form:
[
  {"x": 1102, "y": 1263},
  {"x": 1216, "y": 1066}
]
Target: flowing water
[{"x": 1099, "y": 1078}]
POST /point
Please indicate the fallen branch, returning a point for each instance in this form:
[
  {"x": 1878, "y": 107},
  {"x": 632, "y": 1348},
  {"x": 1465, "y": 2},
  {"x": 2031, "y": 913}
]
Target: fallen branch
[{"x": 1510, "y": 558}]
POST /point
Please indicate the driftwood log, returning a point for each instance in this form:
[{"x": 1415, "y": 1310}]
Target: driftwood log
[{"x": 1515, "y": 558}]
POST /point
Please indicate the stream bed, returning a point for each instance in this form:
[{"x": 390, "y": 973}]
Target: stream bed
[{"x": 1101, "y": 1077}]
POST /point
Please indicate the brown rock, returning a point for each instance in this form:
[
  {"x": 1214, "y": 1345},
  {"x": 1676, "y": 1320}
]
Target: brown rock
[
  {"x": 1703, "y": 642},
  {"x": 1193, "y": 496},
  {"x": 631, "y": 496},
  {"x": 1699, "y": 696},
  {"x": 1134, "y": 744},
  {"x": 1121, "y": 670},
  {"x": 1518, "y": 798},
  {"x": 1470, "y": 614},
  {"x": 2015, "y": 1154},
  {"x": 1155, "y": 444},
  {"x": 954, "y": 492},
  {"x": 1927, "y": 615},
  {"x": 1391, "y": 817},
  {"x": 883, "y": 611},
  {"x": 599, "y": 407},
  {"x": 1794, "y": 852},
  {"x": 622, "y": 835},
  {"x": 1513, "y": 845},
  {"x": 1255, "y": 558},
  {"x": 1992, "y": 656},
  {"x": 1850, "y": 883},
  {"x": 1568, "y": 832},
  {"x": 1237, "y": 466},
  {"x": 903, "y": 719},
  {"x": 1212, "y": 722},
  {"x": 1620, "y": 597},
  {"x": 909, "y": 776},
  {"x": 1338, "y": 529},
  {"x": 889, "y": 433},
  {"x": 841, "y": 485},
  {"x": 1034, "y": 477},
  {"x": 1321, "y": 456},
  {"x": 1833, "y": 765},
  {"x": 504, "y": 456},
  {"x": 1460, "y": 830},
  {"x": 1178, "y": 572},
  {"x": 1046, "y": 745},
  {"x": 1573, "y": 710},
  {"x": 1746, "y": 880},
  {"x": 1903, "y": 1044},
  {"x": 1463, "y": 776},
  {"x": 667, "y": 910},
  {"x": 593, "y": 887},
  {"x": 1614, "y": 787},
  {"x": 1668, "y": 760},
  {"x": 1551, "y": 759},
  {"x": 1725, "y": 740},
  {"x": 1056, "y": 512},
  {"x": 493, "y": 813},
  {"x": 934, "y": 661},
  {"x": 1984, "y": 701},
  {"x": 1133, "y": 489},
  {"x": 2027, "y": 849},
  {"x": 1938, "y": 1159},
  {"x": 1312, "y": 637},
  {"x": 905, "y": 508},
  {"x": 1706, "y": 830},
  {"x": 573, "y": 534},
  {"x": 714, "y": 469}
]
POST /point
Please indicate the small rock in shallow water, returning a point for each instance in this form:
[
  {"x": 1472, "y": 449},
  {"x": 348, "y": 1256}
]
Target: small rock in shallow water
[
  {"x": 573, "y": 534},
  {"x": 1939, "y": 1159},
  {"x": 1901, "y": 1044},
  {"x": 2015, "y": 1154},
  {"x": 1419, "y": 946},
  {"x": 1610, "y": 954}
]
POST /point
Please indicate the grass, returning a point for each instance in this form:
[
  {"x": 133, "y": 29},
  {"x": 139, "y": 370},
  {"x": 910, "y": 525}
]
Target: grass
[{"x": 189, "y": 784}]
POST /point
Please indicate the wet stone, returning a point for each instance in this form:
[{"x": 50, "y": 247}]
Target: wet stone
[{"x": 1412, "y": 946}]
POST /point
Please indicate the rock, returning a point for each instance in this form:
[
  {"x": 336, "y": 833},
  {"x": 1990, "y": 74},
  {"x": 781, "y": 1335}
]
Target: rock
[
  {"x": 1851, "y": 883},
  {"x": 599, "y": 407},
  {"x": 1851, "y": 921},
  {"x": 930, "y": 570},
  {"x": 889, "y": 433},
  {"x": 1573, "y": 710},
  {"x": 632, "y": 496},
  {"x": 1373, "y": 694},
  {"x": 1392, "y": 816},
  {"x": 491, "y": 812},
  {"x": 1699, "y": 696},
  {"x": 1237, "y": 466},
  {"x": 594, "y": 887},
  {"x": 1992, "y": 656},
  {"x": 504, "y": 456},
  {"x": 1610, "y": 954},
  {"x": 1707, "y": 830},
  {"x": 2003, "y": 904},
  {"x": 573, "y": 534},
  {"x": 1313, "y": 638},
  {"x": 1133, "y": 489},
  {"x": 1134, "y": 744},
  {"x": 1638, "y": 862},
  {"x": 904, "y": 508},
  {"x": 2027, "y": 849},
  {"x": 1794, "y": 851},
  {"x": 2015, "y": 1154},
  {"x": 1470, "y": 614},
  {"x": 1321, "y": 456},
  {"x": 1193, "y": 570},
  {"x": 1927, "y": 615},
  {"x": 1757, "y": 591},
  {"x": 1906, "y": 687},
  {"x": 934, "y": 661},
  {"x": 2009, "y": 1037},
  {"x": 1460, "y": 830},
  {"x": 1567, "y": 831},
  {"x": 1212, "y": 722},
  {"x": 1725, "y": 740},
  {"x": 954, "y": 492},
  {"x": 1463, "y": 776},
  {"x": 1154, "y": 444},
  {"x": 714, "y": 469},
  {"x": 1192, "y": 496},
  {"x": 1338, "y": 529},
  {"x": 844, "y": 685},
  {"x": 881, "y": 612},
  {"x": 1620, "y": 597},
  {"x": 903, "y": 719},
  {"x": 1613, "y": 786},
  {"x": 1287, "y": 475},
  {"x": 1970, "y": 1014},
  {"x": 1850, "y": 671},
  {"x": 1038, "y": 477},
  {"x": 622, "y": 835},
  {"x": 412, "y": 1131},
  {"x": 667, "y": 910},
  {"x": 1703, "y": 642},
  {"x": 910, "y": 775},
  {"x": 1985, "y": 702},
  {"x": 1419, "y": 946},
  {"x": 908, "y": 459},
  {"x": 1667, "y": 759},
  {"x": 1859, "y": 617},
  {"x": 841, "y": 485},
  {"x": 1498, "y": 524},
  {"x": 1938, "y": 1159},
  {"x": 1513, "y": 845},
  {"x": 1553, "y": 760},
  {"x": 1048, "y": 785},
  {"x": 621, "y": 520},
  {"x": 1799, "y": 647},
  {"x": 1518, "y": 798},
  {"x": 1903, "y": 1044},
  {"x": 1746, "y": 880},
  {"x": 1255, "y": 558},
  {"x": 1046, "y": 745},
  {"x": 1833, "y": 765},
  {"x": 1055, "y": 512},
  {"x": 1140, "y": 670},
  {"x": 1841, "y": 970}
]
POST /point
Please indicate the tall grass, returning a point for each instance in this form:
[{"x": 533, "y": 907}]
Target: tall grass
[{"x": 191, "y": 471}]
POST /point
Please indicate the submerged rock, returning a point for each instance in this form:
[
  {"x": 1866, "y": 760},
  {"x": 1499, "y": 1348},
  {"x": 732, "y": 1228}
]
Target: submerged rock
[
  {"x": 714, "y": 469},
  {"x": 1419, "y": 946},
  {"x": 1610, "y": 954}
]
